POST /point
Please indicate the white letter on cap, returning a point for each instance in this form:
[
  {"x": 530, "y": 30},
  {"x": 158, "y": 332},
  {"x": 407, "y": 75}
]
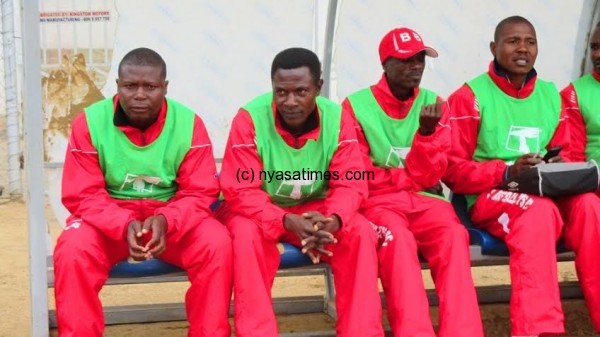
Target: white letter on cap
[{"x": 405, "y": 37}]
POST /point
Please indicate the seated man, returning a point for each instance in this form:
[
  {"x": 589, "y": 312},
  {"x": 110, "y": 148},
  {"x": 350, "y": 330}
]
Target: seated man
[
  {"x": 582, "y": 101},
  {"x": 283, "y": 178},
  {"x": 405, "y": 145},
  {"x": 138, "y": 180},
  {"x": 502, "y": 122}
]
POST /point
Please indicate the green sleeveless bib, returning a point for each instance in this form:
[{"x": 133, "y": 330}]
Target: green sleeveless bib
[
  {"x": 140, "y": 172},
  {"x": 389, "y": 138},
  {"x": 294, "y": 176},
  {"x": 588, "y": 96},
  {"x": 511, "y": 127}
]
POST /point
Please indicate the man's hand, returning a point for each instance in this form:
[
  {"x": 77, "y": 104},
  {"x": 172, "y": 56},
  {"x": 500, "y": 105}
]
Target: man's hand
[
  {"x": 429, "y": 118},
  {"x": 135, "y": 236},
  {"x": 325, "y": 227},
  {"x": 330, "y": 224},
  {"x": 156, "y": 224},
  {"x": 134, "y": 240},
  {"x": 556, "y": 159},
  {"x": 524, "y": 163},
  {"x": 298, "y": 224},
  {"x": 304, "y": 229}
]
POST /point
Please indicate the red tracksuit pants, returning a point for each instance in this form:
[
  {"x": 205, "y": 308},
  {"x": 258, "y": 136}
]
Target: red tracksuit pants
[
  {"x": 83, "y": 257},
  {"x": 408, "y": 224},
  {"x": 530, "y": 227},
  {"x": 582, "y": 235},
  {"x": 256, "y": 260}
]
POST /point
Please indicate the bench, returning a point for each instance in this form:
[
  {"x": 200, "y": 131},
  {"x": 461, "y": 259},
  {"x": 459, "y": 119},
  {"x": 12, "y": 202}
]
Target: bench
[
  {"x": 293, "y": 263},
  {"x": 490, "y": 245},
  {"x": 485, "y": 250}
]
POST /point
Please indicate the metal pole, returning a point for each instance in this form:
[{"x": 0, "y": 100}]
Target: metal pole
[
  {"x": 33, "y": 126},
  {"x": 11, "y": 98},
  {"x": 587, "y": 64},
  {"x": 328, "y": 55}
]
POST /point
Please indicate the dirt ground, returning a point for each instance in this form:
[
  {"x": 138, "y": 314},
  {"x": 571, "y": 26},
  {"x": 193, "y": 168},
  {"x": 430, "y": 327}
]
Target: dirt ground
[{"x": 15, "y": 305}]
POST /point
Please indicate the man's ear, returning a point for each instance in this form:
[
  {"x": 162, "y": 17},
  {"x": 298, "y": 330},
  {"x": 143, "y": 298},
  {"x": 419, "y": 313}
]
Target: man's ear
[
  {"x": 493, "y": 48},
  {"x": 384, "y": 65},
  {"x": 319, "y": 85},
  {"x": 166, "y": 86}
]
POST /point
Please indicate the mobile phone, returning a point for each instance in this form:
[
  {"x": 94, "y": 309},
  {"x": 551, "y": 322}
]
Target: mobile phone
[{"x": 552, "y": 152}]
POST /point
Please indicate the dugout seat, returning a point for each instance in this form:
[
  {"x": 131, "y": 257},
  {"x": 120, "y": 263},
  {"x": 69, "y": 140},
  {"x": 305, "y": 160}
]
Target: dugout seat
[
  {"x": 293, "y": 263},
  {"x": 291, "y": 256},
  {"x": 490, "y": 245}
]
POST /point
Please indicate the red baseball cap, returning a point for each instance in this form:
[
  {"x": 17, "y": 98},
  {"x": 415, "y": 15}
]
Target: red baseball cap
[{"x": 403, "y": 43}]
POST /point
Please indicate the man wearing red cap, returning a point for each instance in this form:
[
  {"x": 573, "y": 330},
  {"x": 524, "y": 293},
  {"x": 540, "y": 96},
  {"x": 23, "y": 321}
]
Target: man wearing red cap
[
  {"x": 582, "y": 101},
  {"x": 292, "y": 129},
  {"x": 501, "y": 122},
  {"x": 404, "y": 143}
]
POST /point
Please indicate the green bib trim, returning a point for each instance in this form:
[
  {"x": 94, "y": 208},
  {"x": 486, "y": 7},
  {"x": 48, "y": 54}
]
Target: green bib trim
[
  {"x": 588, "y": 97},
  {"x": 140, "y": 172},
  {"x": 294, "y": 176}
]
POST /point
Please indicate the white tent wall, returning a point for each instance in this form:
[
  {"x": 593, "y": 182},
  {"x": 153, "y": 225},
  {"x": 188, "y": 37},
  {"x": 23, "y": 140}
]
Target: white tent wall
[
  {"x": 224, "y": 58},
  {"x": 218, "y": 56},
  {"x": 460, "y": 31},
  {"x": 225, "y": 40},
  {"x": 219, "y": 53}
]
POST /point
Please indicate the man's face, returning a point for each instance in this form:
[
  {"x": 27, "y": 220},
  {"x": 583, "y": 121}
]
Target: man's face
[
  {"x": 142, "y": 90},
  {"x": 516, "y": 48},
  {"x": 405, "y": 73},
  {"x": 595, "y": 49},
  {"x": 294, "y": 93}
]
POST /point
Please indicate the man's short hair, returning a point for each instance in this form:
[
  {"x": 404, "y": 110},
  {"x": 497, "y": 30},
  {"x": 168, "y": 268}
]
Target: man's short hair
[
  {"x": 510, "y": 20},
  {"x": 293, "y": 58},
  {"x": 144, "y": 57}
]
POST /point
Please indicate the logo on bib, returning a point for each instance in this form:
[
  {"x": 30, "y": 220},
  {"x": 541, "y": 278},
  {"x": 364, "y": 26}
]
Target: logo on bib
[
  {"x": 295, "y": 189},
  {"x": 139, "y": 183},
  {"x": 523, "y": 139},
  {"x": 396, "y": 156}
]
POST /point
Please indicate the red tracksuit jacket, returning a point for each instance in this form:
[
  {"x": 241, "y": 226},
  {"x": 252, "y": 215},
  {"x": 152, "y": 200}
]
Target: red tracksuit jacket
[{"x": 85, "y": 196}]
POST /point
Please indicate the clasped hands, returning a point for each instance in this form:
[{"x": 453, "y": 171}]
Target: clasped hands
[
  {"x": 136, "y": 230},
  {"x": 314, "y": 230}
]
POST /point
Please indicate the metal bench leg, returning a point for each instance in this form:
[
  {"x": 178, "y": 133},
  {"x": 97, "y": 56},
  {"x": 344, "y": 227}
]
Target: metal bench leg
[{"x": 330, "y": 293}]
